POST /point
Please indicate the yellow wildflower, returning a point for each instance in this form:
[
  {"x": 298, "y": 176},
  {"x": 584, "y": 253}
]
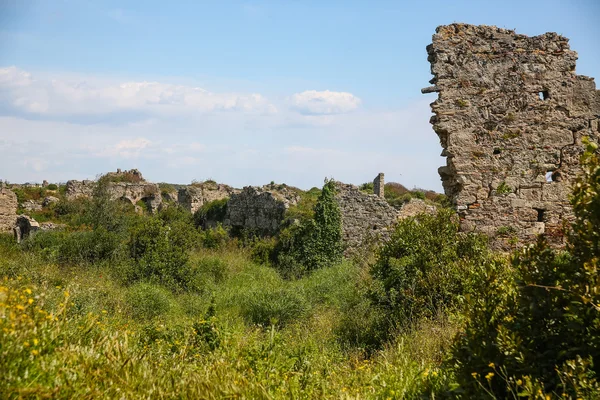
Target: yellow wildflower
[
  {"x": 489, "y": 376},
  {"x": 491, "y": 365}
]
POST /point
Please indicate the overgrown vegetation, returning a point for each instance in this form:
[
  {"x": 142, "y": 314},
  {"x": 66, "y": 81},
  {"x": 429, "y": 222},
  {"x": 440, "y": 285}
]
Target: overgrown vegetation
[{"x": 122, "y": 305}]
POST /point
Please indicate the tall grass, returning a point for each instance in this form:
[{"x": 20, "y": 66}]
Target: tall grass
[{"x": 81, "y": 331}]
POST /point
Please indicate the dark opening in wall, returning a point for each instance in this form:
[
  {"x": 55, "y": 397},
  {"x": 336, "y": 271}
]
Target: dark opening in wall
[
  {"x": 497, "y": 151},
  {"x": 552, "y": 176},
  {"x": 544, "y": 95},
  {"x": 540, "y": 214}
]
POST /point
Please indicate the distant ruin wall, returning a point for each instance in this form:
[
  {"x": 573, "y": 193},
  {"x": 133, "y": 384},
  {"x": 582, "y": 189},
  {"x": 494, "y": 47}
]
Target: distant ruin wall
[
  {"x": 258, "y": 209},
  {"x": 510, "y": 115},
  {"x": 133, "y": 192},
  {"x": 194, "y": 196},
  {"x": 8, "y": 209},
  {"x": 379, "y": 185},
  {"x": 365, "y": 217}
]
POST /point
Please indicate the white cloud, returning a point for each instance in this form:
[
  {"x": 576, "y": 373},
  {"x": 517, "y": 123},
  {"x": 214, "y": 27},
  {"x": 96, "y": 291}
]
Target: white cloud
[
  {"x": 324, "y": 102},
  {"x": 61, "y": 97}
]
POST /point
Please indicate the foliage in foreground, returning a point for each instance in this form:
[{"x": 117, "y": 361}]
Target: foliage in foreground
[
  {"x": 426, "y": 267},
  {"x": 535, "y": 333}
]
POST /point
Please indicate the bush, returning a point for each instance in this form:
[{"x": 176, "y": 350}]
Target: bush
[
  {"x": 147, "y": 301},
  {"x": 537, "y": 332},
  {"x": 211, "y": 213},
  {"x": 158, "y": 254},
  {"x": 274, "y": 307},
  {"x": 312, "y": 243},
  {"x": 83, "y": 247},
  {"x": 214, "y": 238},
  {"x": 425, "y": 267},
  {"x": 52, "y": 186}
]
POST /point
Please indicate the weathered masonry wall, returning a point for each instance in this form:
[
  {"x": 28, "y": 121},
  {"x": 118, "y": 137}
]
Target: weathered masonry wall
[
  {"x": 259, "y": 209},
  {"x": 194, "y": 196},
  {"x": 365, "y": 217},
  {"x": 379, "y": 185},
  {"x": 8, "y": 209},
  {"x": 511, "y": 113}
]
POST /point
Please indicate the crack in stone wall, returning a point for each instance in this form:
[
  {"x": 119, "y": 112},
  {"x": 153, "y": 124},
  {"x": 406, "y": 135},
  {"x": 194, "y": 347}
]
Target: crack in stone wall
[{"x": 511, "y": 113}]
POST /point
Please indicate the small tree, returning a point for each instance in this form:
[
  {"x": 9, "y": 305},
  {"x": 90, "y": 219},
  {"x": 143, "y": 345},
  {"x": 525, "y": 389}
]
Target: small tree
[{"x": 313, "y": 243}]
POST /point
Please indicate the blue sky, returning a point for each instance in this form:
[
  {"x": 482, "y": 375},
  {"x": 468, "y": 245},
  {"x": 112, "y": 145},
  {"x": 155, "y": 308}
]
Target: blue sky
[{"x": 244, "y": 92}]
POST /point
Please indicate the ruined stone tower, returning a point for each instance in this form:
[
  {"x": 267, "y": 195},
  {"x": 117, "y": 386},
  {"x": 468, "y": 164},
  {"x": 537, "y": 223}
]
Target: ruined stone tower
[
  {"x": 511, "y": 113},
  {"x": 379, "y": 185}
]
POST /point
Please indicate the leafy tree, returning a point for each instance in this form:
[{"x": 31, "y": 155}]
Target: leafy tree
[{"x": 313, "y": 243}]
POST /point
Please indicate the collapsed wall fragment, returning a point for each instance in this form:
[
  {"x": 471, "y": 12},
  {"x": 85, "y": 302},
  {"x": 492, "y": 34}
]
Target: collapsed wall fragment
[{"x": 511, "y": 114}]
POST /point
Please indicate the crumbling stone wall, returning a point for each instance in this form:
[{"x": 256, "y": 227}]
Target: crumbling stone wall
[
  {"x": 8, "y": 208},
  {"x": 379, "y": 185},
  {"x": 194, "y": 196},
  {"x": 510, "y": 115},
  {"x": 132, "y": 192},
  {"x": 259, "y": 209},
  {"x": 365, "y": 217}
]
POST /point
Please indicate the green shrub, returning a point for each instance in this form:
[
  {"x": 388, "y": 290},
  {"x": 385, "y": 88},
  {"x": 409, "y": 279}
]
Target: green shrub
[
  {"x": 214, "y": 238},
  {"x": 274, "y": 307},
  {"x": 425, "y": 267},
  {"x": 312, "y": 243},
  {"x": 52, "y": 186},
  {"x": 262, "y": 250},
  {"x": 503, "y": 188},
  {"x": 305, "y": 208},
  {"x": 147, "y": 301},
  {"x": 85, "y": 247},
  {"x": 537, "y": 332},
  {"x": 211, "y": 213},
  {"x": 367, "y": 187},
  {"x": 158, "y": 253}
]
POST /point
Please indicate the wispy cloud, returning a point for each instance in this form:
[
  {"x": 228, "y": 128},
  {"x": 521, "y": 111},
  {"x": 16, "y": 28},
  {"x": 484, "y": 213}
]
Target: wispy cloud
[
  {"x": 313, "y": 102},
  {"x": 21, "y": 92}
]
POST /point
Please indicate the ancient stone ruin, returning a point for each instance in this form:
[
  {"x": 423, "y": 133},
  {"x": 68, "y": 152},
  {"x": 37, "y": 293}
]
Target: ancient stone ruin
[
  {"x": 260, "y": 210},
  {"x": 8, "y": 208},
  {"x": 128, "y": 186},
  {"x": 379, "y": 185},
  {"x": 365, "y": 217},
  {"x": 24, "y": 227},
  {"x": 511, "y": 114},
  {"x": 194, "y": 196}
]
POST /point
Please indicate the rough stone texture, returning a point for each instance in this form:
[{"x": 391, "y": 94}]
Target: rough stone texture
[
  {"x": 31, "y": 205},
  {"x": 194, "y": 196},
  {"x": 8, "y": 209},
  {"x": 379, "y": 185},
  {"x": 76, "y": 189},
  {"x": 132, "y": 192},
  {"x": 365, "y": 217},
  {"x": 24, "y": 227},
  {"x": 414, "y": 207},
  {"x": 510, "y": 116},
  {"x": 259, "y": 209},
  {"x": 49, "y": 200}
]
